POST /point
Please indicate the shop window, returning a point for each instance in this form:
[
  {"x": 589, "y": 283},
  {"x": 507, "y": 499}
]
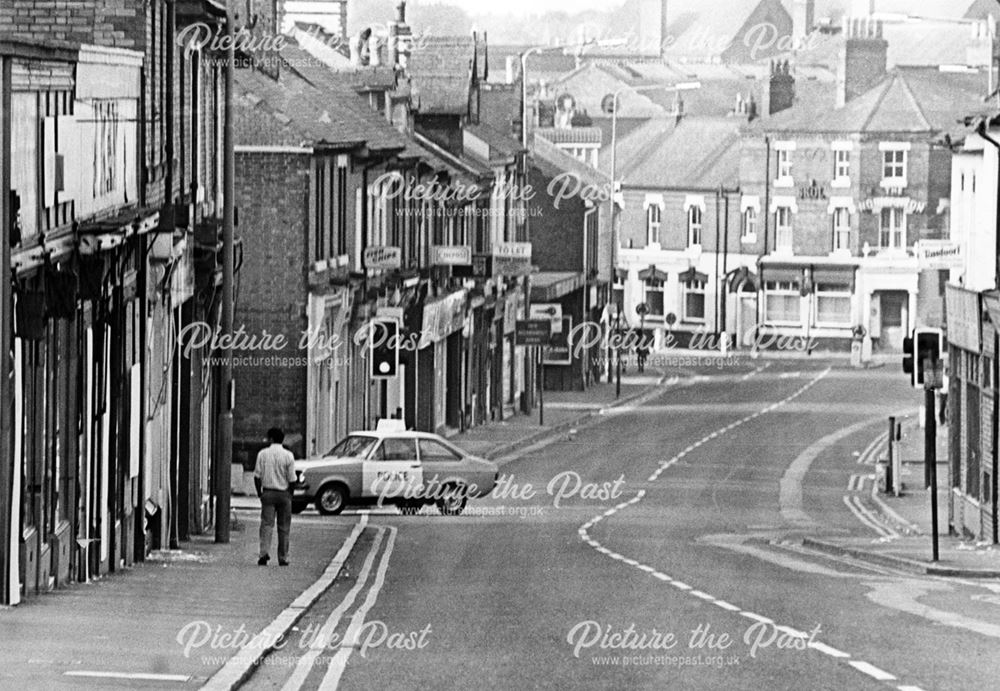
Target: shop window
[
  {"x": 782, "y": 302},
  {"x": 833, "y": 304}
]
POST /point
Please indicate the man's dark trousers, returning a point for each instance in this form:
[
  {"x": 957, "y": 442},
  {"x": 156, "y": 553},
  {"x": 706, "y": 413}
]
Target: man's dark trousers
[{"x": 275, "y": 502}]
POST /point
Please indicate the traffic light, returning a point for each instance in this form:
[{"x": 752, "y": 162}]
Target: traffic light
[
  {"x": 928, "y": 345},
  {"x": 908, "y": 356},
  {"x": 383, "y": 348}
]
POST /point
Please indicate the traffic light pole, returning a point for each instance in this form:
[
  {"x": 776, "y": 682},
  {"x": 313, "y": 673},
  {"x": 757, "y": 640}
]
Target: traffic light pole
[
  {"x": 618, "y": 359},
  {"x": 930, "y": 461},
  {"x": 541, "y": 387}
]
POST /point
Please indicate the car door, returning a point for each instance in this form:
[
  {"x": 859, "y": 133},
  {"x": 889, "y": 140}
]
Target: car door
[
  {"x": 438, "y": 462},
  {"x": 392, "y": 470}
]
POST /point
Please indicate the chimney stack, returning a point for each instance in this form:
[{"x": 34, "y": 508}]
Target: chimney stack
[
  {"x": 803, "y": 20},
  {"x": 863, "y": 58},
  {"x": 779, "y": 89},
  {"x": 400, "y": 41}
]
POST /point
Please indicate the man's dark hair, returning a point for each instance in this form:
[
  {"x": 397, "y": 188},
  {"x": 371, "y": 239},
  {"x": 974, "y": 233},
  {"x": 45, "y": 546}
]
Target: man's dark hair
[{"x": 276, "y": 435}]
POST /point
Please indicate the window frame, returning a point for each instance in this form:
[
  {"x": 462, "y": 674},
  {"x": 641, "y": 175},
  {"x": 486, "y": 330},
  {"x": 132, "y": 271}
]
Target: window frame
[
  {"x": 694, "y": 287},
  {"x": 782, "y": 289},
  {"x": 653, "y": 226},
  {"x": 695, "y": 225},
  {"x": 789, "y": 228},
  {"x": 821, "y": 291},
  {"x": 748, "y": 229},
  {"x": 840, "y": 230},
  {"x": 893, "y": 232},
  {"x": 655, "y": 286}
]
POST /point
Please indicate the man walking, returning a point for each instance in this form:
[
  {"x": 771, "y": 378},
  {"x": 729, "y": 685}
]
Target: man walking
[{"x": 274, "y": 476}]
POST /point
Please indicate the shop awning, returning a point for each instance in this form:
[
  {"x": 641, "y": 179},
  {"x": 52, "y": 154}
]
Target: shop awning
[
  {"x": 692, "y": 276},
  {"x": 841, "y": 275},
  {"x": 784, "y": 274},
  {"x": 552, "y": 285}
]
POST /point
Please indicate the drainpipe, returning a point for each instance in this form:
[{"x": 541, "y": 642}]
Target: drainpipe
[
  {"x": 981, "y": 131},
  {"x": 225, "y": 458},
  {"x": 718, "y": 230},
  {"x": 767, "y": 231},
  {"x": 9, "y": 590}
]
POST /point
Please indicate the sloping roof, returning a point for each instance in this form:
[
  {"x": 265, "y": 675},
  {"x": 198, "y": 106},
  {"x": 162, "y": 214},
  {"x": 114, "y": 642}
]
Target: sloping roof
[
  {"x": 441, "y": 74},
  {"x": 632, "y": 149},
  {"x": 705, "y": 28},
  {"x": 909, "y": 99},
  {"x": 698, "y": 153},
  {"x": 502, "y": 145},
  {"x": 590, "y": 83},
  {"x": 306, "y": 105},
  {"x": 552, "y": 161}
]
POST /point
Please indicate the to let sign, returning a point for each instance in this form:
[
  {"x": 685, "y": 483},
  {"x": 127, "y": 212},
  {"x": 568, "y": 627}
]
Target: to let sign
[
  {"x": 532, "y": 332},
  {"x": 382, "y": 257},
  {"x": 512, "y": 258}
]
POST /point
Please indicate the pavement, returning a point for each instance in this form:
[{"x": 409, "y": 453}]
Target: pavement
[
  {"x": 132, "y": 628},
  {"x": 903, "y": 523}
]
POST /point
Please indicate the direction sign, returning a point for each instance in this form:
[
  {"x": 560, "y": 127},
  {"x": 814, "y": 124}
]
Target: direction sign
[
  {"x": 548, "y": 310},
  {"x": 532, "y": 332}
]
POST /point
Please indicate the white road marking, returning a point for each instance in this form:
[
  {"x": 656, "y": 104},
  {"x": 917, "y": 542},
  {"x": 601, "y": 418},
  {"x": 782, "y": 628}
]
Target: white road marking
[
  {"x": 727, "y": 605},
  {"x": 909, "y": 688},
  {"x": 790, "y": 492},
  {"x": 827, "y": 650},
  {"x": 701, "y": 595},
  {"x": 137, "y": 676},
  {"x": 871, "y": 670},
  {"x": 862, "y": 514},
  {"x": 240, "y": 664},
  {"x": 331, "y": 680},
  {"x": 663, "y": 465},
  {"x": 324, "y": 635}
]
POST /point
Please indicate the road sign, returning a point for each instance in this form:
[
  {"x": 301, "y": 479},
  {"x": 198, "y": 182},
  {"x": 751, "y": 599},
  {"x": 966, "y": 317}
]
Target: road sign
[
  {"x": 548, "y": 310},
  {"x": 382, "y": 257},
  {"x": 642, "y": 309},
  {"x": 671, "y": 319},
  {"x": 532, "y": 332}
]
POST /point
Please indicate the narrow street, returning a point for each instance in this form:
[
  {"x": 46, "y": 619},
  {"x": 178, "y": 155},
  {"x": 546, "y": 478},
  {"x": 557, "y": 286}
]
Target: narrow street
[{"x": 723, "y": 474}]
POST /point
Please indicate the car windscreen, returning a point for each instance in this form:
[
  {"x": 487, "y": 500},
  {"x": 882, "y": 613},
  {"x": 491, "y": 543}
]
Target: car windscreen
[{"x": 353, "y": 446}]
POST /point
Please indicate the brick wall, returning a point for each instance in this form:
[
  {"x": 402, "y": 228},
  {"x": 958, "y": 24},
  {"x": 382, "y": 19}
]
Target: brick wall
[
  {"x": 674, "y": 222},
  {"x": 272, "y": 195}
]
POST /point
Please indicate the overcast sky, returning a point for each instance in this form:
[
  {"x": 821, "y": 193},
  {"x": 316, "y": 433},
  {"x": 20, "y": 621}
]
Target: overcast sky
[{"x": 526, "y": 7}]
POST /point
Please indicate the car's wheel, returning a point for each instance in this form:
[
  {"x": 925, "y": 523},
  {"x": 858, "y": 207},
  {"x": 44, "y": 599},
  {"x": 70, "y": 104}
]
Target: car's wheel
[
  {"x": 452, "y": 501},
  {"x": 409, "y": 508},
  {"x": 299, "y": 506},
  {"x": 331, "y": 499}
]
